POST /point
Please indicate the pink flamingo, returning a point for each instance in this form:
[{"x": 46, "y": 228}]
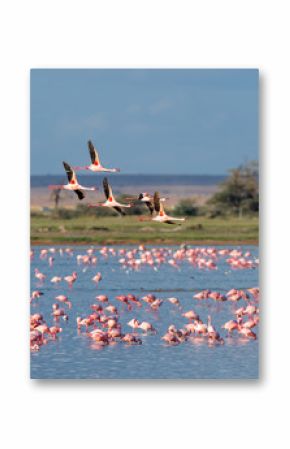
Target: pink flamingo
[
  {"x": 71, "y": 279},
  {"x": 231, "y": 325},
  {"x": 134, "y": 323},
  {"x": 64, "y": 299},
  {"x": 191, "y": 315},
  {"x": 147, "y": 327},
  {"x": 111, "y": 202},
  {"x": 36, "y": 294},
  {"x": 40, "y": 276},
  {"x": 131, "y": 339},
  {"x": 247, "y": 333},
  {"x": 55, "y": 279},
  {"x": 112, "y": 309},
  {"x": 102, "y": 298},
  {"x": 174, "y": 301},
  {"x": 96, "y": 165},
  {"x": 97, "y": 278},
  {"x": 73, "y": 184},
  {"x": 54, "y": 330},
  {"x": 170, "y": 338}
]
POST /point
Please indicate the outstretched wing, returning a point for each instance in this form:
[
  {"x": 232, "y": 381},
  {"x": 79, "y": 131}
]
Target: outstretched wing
[
  {"x": 93, "y": 153},
  {"x": 150, "y": 206},
  {"x": 80, "y": 194},
  {"x": 107, "y": 189},
  {"x": 156, "y": 201},
  {"x": 72, "y": 179},
  {"x": 158, "y": 204},
  {"x": 119, "y": 210}
]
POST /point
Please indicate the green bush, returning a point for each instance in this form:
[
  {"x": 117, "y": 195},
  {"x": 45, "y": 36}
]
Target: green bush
[{"x": 186, "y": 207}]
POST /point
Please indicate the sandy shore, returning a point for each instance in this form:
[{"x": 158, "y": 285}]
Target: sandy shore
[{"x": 41, "y": 197}]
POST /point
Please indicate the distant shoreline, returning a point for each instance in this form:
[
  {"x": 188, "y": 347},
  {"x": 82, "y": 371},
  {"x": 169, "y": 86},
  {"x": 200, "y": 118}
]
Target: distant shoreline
[
  {"x": 153, "y": 242},
  {"x": 131, "y": 180}
]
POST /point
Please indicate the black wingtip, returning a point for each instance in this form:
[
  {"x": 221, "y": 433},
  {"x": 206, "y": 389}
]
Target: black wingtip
[{"x": 80, "y": 194}]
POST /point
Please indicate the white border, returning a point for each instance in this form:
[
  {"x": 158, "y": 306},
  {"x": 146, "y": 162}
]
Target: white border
[{"x": 145, "y": 34}]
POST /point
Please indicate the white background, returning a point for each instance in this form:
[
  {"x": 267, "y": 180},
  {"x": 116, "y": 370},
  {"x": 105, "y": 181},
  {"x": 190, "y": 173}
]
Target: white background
[{"x": 145, "y": 34}]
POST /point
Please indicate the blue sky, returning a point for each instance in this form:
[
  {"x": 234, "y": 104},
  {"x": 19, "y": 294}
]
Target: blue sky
[{"x": 144, "y": 121}]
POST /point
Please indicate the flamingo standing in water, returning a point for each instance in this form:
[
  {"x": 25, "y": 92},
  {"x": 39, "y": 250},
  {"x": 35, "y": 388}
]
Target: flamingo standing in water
[
  {"x": 73, "y": 184},
  {"x": 147, "y": 327},
  {"x": 97, "y": 278},
  {"x": 96, "y": 165},
  {"x": 161, "y": 216},
  {"x": 64, "y": 299},
  {"x": 102, "y": 298},
  {"x": 40, "y": 276},
  {"x": 111, "y": 202},
  {"x": 36, "y": 294},
  {"x": 71, "y": 279},
  {"x": 55, "y": 279},
  {"x": 134, "y": 323},
  {"x": 174, "y": 301}
]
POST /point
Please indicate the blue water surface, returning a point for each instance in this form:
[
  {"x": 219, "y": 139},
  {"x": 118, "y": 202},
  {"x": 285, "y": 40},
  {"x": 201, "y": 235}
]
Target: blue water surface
[{"x": 73, "y": 355}]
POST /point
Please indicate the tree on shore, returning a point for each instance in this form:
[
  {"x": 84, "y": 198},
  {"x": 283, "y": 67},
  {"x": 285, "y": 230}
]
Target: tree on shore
[
  {"x": 239, "y": 193},
  {"x": 56, "y": 197}
]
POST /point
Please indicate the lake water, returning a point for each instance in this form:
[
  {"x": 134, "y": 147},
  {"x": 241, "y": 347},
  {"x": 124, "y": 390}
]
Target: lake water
[{"x": 74, "y": 355}]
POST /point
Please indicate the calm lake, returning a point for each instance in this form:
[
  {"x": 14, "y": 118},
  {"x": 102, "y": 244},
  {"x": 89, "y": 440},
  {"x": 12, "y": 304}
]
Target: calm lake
[{"x": 74, "y": 355}]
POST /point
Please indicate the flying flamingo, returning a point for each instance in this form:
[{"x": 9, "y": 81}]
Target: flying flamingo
[
  {"x": 147, "y": 199},
  {"x": 111, "y": 202},
  {"x": 96, "y": 165},
  {"x": 161, "y": 216},
  {"x": 73, "y": 184}
]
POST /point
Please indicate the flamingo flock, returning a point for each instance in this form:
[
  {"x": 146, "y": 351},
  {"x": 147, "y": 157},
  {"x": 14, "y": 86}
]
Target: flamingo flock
[
  {"x": 153, "y": 203},
  {"x": 128, "y": 318},
  {"x": 104, "y": 322}
]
